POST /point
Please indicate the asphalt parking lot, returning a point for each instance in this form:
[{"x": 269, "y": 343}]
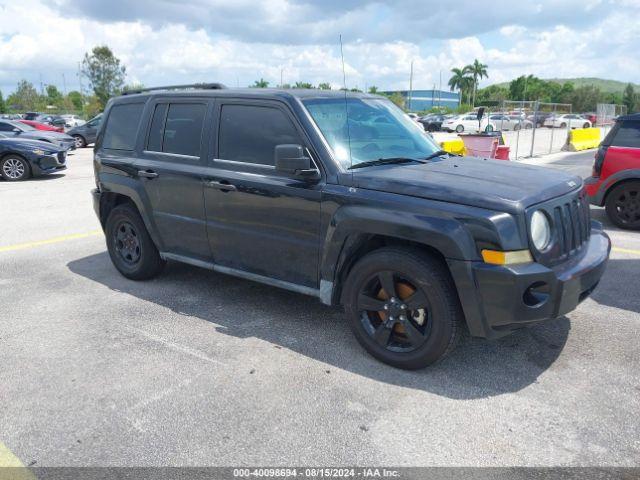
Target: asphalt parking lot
[{"x": 197, "y": 368}]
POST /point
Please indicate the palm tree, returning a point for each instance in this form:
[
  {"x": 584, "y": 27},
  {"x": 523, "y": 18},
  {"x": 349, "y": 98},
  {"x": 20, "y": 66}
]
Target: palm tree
[
  {"x": 262, "y": 83},
  {"x": 460, "y": 81},
  {"x": 478, "y": 71}
]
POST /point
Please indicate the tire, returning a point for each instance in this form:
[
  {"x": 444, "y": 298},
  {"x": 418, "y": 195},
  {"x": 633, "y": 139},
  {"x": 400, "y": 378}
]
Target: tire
[
  {"x": 528, "y": 126},
  {"x": 80, "y": 141},
  {"x": 130, "y": 247},
  {"x": 14, "y": 168},
  {"x": 488, "y": 128},
  {"x": 586, "y": 125},
  {"x": 623, "y": 205},
  {"x": 516, "y": 127},
  {"x": 460, "y": 128},
  {"x": 563, "y": 125},
  {"x": 436, "y": 328}
]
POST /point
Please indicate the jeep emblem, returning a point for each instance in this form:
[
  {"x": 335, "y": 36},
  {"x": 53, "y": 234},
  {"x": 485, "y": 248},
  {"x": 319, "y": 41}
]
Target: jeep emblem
[{"x": 572, "y": 183}]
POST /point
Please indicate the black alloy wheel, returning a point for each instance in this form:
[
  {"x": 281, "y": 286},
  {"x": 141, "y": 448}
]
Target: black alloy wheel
[
  {"x": 403, "y": 307},
  {"x": 623, "y": 205}
]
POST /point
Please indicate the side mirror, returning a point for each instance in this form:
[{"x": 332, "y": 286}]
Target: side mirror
[
  {"x": 290, "y": 158},
  {"x": 17, "y": 131}
]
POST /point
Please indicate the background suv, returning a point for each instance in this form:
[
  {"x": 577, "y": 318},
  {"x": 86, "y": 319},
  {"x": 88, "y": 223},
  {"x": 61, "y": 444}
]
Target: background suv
[{"x": 615, "y": 182}]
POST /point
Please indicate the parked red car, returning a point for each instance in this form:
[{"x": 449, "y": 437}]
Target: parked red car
[
  {"x": 592, "y": 117},
  {"x": 42, "y": 126},
  {"x": 615, "y": 181}
]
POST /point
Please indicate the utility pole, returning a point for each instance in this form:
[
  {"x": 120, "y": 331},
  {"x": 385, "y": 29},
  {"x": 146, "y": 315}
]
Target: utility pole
[
  {"x": 282, "y": 78},
  {"x": 64, "y": 85},
  {"x": 440, "y": 90},
  {"x": 410, "y": 87}
]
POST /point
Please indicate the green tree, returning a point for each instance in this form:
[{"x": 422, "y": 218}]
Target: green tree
[
  {"x": 262, "y": 83},
  {"x": 585, "y": 98},
  {"x": 493, "y": 93},
  {"x": 398, "y": 99},
  {"x": 105, "y": 73},
  {"x": 373, "y": 89},
  {"x": 460, "y": 81},
  {"x": 478, "y": 71},
  {"x": 324, "y": 86},
  {"x": 25, "y": 97},
  {"x": 75, "y": 98},
  {"x": 3, "y": 106},
  {"x": 303, "y": 85},
  {"x": 629, "y": 98}
]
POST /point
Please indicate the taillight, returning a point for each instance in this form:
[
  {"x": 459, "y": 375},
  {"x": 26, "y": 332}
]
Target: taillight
[{"x": 597, "y": 164}]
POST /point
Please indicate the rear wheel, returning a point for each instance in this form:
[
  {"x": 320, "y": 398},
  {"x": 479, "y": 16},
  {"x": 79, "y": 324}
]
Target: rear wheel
[
  {"x": 623, "y": 205},
  {"x": 460, "y": 128},
  {"x": 403, "y": 307},
  {"x": 14, "y": 168},
  {"x": 586, "y": 125},
  {"x": 517, "y": 127},
  {"x": 130, "y": 247}
]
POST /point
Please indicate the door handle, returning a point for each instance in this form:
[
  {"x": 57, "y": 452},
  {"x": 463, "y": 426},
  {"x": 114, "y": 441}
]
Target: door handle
[
  {"x": 147, "y": 173},
  {"x": 223, "y": 185}
]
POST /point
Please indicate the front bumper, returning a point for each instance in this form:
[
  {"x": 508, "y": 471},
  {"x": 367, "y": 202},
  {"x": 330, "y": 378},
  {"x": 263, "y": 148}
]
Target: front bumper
[
  {"x": 507, "y": 298},
  {"x": 51, "y": 163}
]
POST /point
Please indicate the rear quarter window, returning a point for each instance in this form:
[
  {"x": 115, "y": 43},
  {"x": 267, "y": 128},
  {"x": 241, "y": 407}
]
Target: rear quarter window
[
  {"x": 626, "y": 134},
  {"x": 122, "y": 126}
]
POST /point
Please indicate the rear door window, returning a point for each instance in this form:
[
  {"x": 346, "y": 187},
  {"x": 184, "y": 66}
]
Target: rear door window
[
  {"x": 122, "y": 126},
  {"x": 177, "y": 128}
]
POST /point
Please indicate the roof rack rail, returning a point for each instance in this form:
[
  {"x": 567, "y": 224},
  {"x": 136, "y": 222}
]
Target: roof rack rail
[{"x": 194, "y": 86}]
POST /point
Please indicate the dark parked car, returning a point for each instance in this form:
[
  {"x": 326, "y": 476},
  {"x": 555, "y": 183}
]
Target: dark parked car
[
  {"x": 53, "y": 120},
  {"x": 85, "y": 134},
  {"x": 31, "y": 115},
  {"x": 539, "y": 118},
  {"x": 432, "y": 123},
  {"x": 274, "y": 186},
  {"x": 22, "y": 158},
  {"x": 615, "y": 182},
  {"x": 19, "y": 129}
]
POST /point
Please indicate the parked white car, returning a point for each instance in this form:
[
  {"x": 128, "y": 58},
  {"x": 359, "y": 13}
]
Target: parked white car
[
  {"x": 468, "y": 123},
  {"x": 72, "y": 121},
  {"x": 567, "y": 120},
  {"x": 509, "y": 122}
]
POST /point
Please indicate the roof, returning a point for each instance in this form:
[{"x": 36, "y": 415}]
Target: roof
[
  {"x": 633, "y": 117},
  {"x": 253, "y": 92}
]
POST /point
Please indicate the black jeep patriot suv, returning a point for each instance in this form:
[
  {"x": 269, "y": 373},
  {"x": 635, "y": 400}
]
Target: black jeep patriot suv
[{"x": 341, "y": 196}]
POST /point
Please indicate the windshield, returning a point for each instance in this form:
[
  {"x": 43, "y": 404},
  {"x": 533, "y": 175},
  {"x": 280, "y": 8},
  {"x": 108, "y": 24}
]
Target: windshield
[
  {"x": 22, "y": 126},
  {"x": 376, "y": 129}
]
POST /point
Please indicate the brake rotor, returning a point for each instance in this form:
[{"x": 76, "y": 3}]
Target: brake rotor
[{"x": 405, "y": 290}]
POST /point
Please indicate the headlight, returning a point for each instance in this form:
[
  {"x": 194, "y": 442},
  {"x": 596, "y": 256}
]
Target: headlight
[
  {"x": 540, "y": 230},
  {"x": 38, "y": 151}
]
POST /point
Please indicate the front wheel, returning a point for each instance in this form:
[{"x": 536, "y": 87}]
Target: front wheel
[
  {"x": 586, "y": 125},
  {"x": 403, "y": 307},
  {"x": 14, "y": 168},
  {"x": 623, "y": 205},
  {"x": 130, "y": 247},
  {"x": 488, "y": 128},
  {"x": 563, "y": 125},
  {"x": 80, "y": 141},
  {"x": 460, "y": 128}
]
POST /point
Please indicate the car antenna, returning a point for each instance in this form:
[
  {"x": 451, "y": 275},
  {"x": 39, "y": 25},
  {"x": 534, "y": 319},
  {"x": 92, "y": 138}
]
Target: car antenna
[{"x": 346, "y": 109}]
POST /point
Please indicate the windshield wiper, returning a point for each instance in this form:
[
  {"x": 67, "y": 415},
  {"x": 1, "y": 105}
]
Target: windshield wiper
[
  {"x": 439, "y": 153},
  {"x": 385, "y": 161}
]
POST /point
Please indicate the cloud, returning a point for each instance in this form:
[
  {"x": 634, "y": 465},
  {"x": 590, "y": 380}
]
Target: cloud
[{"x": 165, "y": 42}]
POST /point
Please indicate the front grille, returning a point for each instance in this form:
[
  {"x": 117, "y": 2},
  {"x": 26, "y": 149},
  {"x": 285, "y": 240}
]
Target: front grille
[{"x": 570, "y": 220}]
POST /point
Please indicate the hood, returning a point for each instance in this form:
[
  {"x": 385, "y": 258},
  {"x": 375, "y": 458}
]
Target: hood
[
  {"x": 492, "y": 184},
  {"x": 30, "y": 143},
  {"x": 53, "y": 136}
]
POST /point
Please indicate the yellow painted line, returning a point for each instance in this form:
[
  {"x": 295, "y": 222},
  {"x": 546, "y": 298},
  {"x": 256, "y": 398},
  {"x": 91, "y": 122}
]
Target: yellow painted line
[
  {"x": 626, "y": 250},
  {"x": 49, "y": 241},
  {"x": 7, "y": 458}
]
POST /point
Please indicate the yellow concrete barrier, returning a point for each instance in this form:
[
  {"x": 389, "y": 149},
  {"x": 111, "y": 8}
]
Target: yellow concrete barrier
[
  {"x": 583, "y": 139},
  {"x": 453, "y": 146}
]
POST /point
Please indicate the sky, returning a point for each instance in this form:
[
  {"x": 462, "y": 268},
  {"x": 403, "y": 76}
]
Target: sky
[{"x": 164, "y": 42}]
